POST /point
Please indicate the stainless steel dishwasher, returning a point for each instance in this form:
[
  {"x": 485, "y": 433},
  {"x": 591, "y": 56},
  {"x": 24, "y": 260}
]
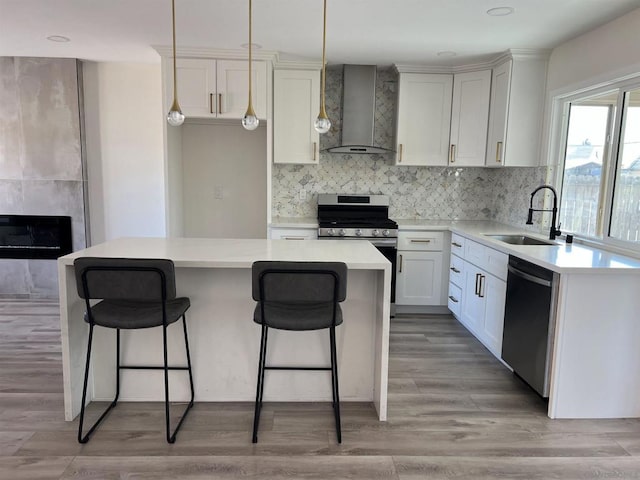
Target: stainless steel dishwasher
[{"x": 529, "y": 322}]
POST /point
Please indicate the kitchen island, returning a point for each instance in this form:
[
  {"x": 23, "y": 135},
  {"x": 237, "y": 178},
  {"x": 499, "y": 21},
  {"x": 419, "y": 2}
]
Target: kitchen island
[{"x": 216, "y": 275}]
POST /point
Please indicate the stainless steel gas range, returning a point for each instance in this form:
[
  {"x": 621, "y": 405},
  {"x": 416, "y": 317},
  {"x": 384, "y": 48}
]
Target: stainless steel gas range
[{"x": 360, "y": 217}]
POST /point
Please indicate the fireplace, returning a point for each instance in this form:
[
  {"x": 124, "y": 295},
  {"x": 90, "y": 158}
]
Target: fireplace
[{"x": 34, "y": 236}]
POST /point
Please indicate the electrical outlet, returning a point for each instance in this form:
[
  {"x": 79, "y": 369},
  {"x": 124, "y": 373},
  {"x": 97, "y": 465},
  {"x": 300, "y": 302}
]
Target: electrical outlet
[
  {"x": 218, "y": 193},
  {"x": 302, "y": 194}
]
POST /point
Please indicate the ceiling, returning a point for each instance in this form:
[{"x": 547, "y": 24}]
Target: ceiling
[{"x": 358, "y": 31}]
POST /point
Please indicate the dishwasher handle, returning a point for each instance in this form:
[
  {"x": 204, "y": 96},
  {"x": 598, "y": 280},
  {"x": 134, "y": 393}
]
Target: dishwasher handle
[{"x": 529, "y": 277}]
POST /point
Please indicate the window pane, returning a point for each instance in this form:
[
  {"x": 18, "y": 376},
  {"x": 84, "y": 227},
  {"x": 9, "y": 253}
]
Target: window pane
[
  {"x": 625, "y": 216},
  {"x": 582, "y": 180}
]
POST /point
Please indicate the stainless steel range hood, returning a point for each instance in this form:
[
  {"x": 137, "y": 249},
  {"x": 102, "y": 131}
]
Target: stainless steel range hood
[{"x": 358, "y": 111}]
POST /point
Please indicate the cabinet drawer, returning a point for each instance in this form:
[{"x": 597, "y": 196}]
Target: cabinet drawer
[
  {"x": 454, "y": 300},
  {"x": 457, "y": 244},
  {"x": 294, "y": 233},
  {"x": 455, "y": 270},
  {"x": 486, "y": 258},
  {"x": 424, "y": 241}
]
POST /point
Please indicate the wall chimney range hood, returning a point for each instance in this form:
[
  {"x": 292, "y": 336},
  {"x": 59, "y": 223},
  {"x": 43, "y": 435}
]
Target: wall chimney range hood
[{"x": 358, "y": 111}]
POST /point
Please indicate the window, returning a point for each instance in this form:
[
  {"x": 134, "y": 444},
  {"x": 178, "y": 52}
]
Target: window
[{"x": 600, "y": 195}]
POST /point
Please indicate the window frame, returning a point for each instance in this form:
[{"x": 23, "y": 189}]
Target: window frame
[{"x": 561, "y": 105}]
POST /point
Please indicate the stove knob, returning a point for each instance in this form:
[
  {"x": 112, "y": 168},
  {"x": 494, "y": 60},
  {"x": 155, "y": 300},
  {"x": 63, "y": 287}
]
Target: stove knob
[
  {"x": 331, "y": 232},
  {"x": 385, "y": 233},
  {"x": 375, "y": 232},
  {"x": 342, "y": 232},
  {"x": 358, "y": 232}
]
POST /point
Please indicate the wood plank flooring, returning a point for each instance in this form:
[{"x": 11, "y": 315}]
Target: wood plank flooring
[{"x": 455, "y": 412}]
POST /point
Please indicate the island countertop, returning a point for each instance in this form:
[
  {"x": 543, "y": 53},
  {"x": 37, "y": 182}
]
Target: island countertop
[{"x": 236, "y": 253}]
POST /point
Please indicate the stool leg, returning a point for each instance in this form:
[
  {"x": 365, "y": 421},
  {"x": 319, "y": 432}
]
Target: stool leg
[
  {"x": 260, "y": 383},
  {"x": 186, "y": 345},
  {"x": 166, "y": 385},
  {"x": 334, "y": 381},
  {"x": 85, "y": 438}
]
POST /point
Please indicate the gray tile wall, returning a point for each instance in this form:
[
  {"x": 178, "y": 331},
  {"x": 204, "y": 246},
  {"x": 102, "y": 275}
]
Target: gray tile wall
[
  {"x": 40, "y": 159},
  {"x": 415, "y": 192}
]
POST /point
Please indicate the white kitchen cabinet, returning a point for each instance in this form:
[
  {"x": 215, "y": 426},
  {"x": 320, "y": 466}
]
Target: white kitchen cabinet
[
  {"x": 420, "y": 276},
  {"x": 294, "y": 233},
  {"x": 477, "y": 290},
  {"x": 210, "y": 88},
  {"x": 424, "y": 118},
  {"x": 469, "y": 118},
  {"x": 296, "y": 103},
  {"x": 516, "y": 111}
]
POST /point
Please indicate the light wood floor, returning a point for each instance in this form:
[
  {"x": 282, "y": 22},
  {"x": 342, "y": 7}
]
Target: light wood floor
[{"x": 454, "y": 413}]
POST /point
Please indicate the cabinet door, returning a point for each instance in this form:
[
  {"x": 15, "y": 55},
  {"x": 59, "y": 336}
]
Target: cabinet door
[
  {"x": 472, "y": 308},
  {"x": 233, "y": 86},
  {"x": 418, "y": 279},
  {"x": 495, "y": 294},
  {"x": 498, "y": 114},
  {"x": 424, "y": 119},
  {"x": 296, "y": 103},
  {"x": 196, "y": 87},
  {"x": 469, "y": 118}
]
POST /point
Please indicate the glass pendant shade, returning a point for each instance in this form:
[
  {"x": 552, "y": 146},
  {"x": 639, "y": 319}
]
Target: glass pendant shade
[
  {"x": 322, "y": 124},
  {"x": 250, "y": 122},
  {"x": 175, "y": 117}
]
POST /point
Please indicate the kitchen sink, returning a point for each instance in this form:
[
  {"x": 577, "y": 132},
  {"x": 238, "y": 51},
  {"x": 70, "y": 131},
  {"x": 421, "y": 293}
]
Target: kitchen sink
[{"x": 519, "y": 240}]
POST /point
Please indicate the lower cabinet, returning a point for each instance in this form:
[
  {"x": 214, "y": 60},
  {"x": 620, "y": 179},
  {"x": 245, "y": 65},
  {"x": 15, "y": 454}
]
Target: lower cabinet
[
  {"x": 418, "y": 278},
  {"x": 477, "y": 290}
]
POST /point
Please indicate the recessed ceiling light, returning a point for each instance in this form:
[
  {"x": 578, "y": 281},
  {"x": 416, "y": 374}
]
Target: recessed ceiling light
[
  {"x": 500, "y": 11},
  {"x": 447, "y": 53},
  {"x": 58, "y": 38},
  {"x": 254, "y": 46}
]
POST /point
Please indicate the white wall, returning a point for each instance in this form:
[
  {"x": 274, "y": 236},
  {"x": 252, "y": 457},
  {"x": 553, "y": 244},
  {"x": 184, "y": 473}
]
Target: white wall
[
  {"x": 124, "y": 139},
  {"x": 608, "y": 52}
]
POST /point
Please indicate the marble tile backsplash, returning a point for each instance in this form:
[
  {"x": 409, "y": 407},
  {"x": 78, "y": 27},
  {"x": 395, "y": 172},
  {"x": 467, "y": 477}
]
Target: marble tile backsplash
[{"x": 415, "y": 192}]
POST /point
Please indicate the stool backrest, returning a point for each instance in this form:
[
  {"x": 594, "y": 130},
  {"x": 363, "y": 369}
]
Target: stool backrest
[
  {"x": 299, "y": 282},
  {"x": 125, "y": 278}
]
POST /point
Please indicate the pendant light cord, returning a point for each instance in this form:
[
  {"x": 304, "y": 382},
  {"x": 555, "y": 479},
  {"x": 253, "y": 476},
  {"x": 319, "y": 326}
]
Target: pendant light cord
[
  {"x": 323, "y": 112},
  {"x": 250, "y": 109},
  {"x": 175, "y": 80}
]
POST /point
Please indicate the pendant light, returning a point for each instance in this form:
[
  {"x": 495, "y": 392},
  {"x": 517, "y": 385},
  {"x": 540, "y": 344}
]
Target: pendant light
[
  {"x": 250, "y": 120},
  {"x": 322, "y": 123},
  {"x": 175, "y": 116}
]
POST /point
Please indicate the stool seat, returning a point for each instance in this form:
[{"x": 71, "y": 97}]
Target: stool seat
[
  {"x": 297, "y": 316},
  {"x": 129, "y": 314}
]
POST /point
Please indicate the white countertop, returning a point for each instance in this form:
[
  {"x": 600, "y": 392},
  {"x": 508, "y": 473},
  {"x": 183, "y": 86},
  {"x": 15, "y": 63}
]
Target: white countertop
[{"x": 237, "y": 253}]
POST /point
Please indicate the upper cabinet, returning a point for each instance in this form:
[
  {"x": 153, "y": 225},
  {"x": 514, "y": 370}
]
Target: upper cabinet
[
  {"x": 424, "y": 118},
  {"x": 209, "y": 88},
  {"x": 296, "y": 103},
  {"x": 516, "y": 111},
  {"x": 469, "y": 117}
]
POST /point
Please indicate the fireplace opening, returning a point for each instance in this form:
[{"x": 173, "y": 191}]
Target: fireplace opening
[{"x": 34, "y": 236}]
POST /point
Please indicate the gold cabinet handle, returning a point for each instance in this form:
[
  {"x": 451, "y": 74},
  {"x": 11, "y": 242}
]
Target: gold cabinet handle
[
  {"x": 219, "y": 103},
  {"x": 454, "y": 270},
  {"x": 453, "y": 299},
  {"x": 315, "y": 145},
  {"x": 413, "y": 240},
  {"x": 498, "y": 152},
  {"x": 211, "y": 103},
  {"x": 455, "y": 244},
  {"x": 400, "y": 266},
  {"x": 399, "y": 153},
  {"x": 452, "y": 154},
  {"x": 293, "y": 238}
]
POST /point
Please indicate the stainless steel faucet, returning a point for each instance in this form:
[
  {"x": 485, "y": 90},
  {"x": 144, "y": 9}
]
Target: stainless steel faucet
[{"x": 553, "y": 232}]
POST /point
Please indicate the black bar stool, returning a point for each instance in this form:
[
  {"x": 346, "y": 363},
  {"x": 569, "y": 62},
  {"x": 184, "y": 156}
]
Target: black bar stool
[
  {"x": 134, "y": 293},
  {"x": 298, "y": 296}
]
